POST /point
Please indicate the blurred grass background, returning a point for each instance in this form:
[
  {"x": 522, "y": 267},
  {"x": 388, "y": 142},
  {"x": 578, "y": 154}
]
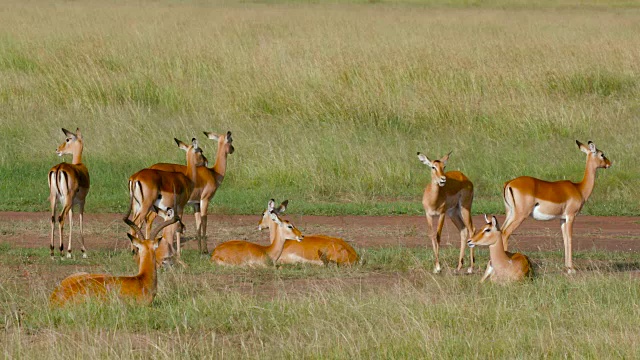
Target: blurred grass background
[{"x": 328, "y": 102}]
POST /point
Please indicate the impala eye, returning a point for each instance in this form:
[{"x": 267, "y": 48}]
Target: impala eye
[
  {"x": 290, "y": 227},
  {"x": 487, "y": 230}
]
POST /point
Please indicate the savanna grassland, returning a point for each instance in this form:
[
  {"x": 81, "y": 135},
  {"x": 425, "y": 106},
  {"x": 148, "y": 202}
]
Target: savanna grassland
[{"x": 328, "y": 103}]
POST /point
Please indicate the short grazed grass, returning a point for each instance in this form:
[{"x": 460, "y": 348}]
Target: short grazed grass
[
  {"x": 390, "y": 307},
  {"x": 328, "y": 102}
]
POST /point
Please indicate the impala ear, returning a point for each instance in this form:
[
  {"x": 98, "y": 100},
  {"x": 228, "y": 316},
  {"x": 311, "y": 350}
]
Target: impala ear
[
  {"x": 271, "y": 205},
  {"x": 486, "y": 219},
  {"x": 229, "y": 139},
  {"x": 445, "y": 158},
  {"x": 194, "y": 142},
  {"x": 424, "y": 160},
  {"x": 211, "y": 136},
  {"x": 582, "y": 147},
  {"x": 78, "y": 134},
  {"x": 181, "y": 145},
  {"x": 131, "y": 237},
  {"x": 592, "y": 147},
  {"x": 283, "y": 206},
  {"x": 494, "y": 223},
  {"x": 134, "y": 241},
  {"x": 68, "y": 133}
]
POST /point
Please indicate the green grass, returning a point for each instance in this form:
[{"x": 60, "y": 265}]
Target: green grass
[
  {"x": 391, "y": 307},
  {"x": 328, "y": 103}
]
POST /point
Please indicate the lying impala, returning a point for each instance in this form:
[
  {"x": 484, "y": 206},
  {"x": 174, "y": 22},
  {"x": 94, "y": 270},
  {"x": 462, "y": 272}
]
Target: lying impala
[
  {"x": 543, "y": 200},
  {"x": 155, "y": 190},
  {"x": 449, "y": 193},
  {"x": 503, "y": 266},
  {"x": 315, "y": 249},
  {"x": 141, "y": 287},
  {"x": 238, "y": 252},
  {"x": 208, "y": 180},
  {"x": 69, "y": 184}
]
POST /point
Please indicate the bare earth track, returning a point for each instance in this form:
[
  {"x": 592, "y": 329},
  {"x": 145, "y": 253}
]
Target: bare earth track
[{"x": 106, "y": 231}]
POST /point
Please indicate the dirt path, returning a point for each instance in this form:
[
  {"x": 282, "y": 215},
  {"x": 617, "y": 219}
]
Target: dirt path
[{"x": 107, "y": 231}]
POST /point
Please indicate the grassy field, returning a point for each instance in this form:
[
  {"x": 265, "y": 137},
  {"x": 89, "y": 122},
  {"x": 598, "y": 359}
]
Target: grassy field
[
  {"x": 328, "y": 103},
  {"x": 392, "y": 307}
]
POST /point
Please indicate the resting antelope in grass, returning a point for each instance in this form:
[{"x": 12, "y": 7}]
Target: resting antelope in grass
[
  {"x": 543, "y": 200},
  {"x": 449, "y": 193},
  {"x": 503, "y": 266},
  {"x": 153, "y": 191},
  {"x": 208, "y": 180},
  {"x": 238, "y": 252},
  {"x": 69, "y": 184},
  {"x": 315, "y": 249},
  {"x": 141, "y": 287}
]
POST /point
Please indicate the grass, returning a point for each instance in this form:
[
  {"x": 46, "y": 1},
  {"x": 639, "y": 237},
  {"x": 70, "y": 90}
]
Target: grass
[
  {"x": 328, "y": 103},
  {"x": 391, "y": 307}
]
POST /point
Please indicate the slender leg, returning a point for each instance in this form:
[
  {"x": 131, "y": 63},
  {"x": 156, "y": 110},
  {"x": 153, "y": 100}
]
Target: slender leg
[
  {"x": 513, "y": 225},
  {"x": 198, "y": 216},
  {"x": 487, "y": 273},
  {"x": 203, "y": 225},
  {"x": 568, "y": 259},
  {"x": 63, "y": 214},
  {"x": 70, "y": 230},
  {"x": 81, "y": 212},
  {"x": 52, "y": 199},
  {"x": 464, "y": 236},
  {"x": 434, "y": 243}
]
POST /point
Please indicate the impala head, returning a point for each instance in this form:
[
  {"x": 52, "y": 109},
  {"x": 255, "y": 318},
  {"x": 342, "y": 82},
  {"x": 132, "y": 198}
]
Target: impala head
[
  {"x": 488, "y": 235},
  {"x": 225, "y": 142},
  {"x": 594, "y": 155},
  {"x": 148, "y": 246},
  {"x": 286, "y": 229},
  {"x": 265, "y": 220},
  {"x": 437, "y": 168},
  {"x": 72, "y": 142},
  {"x": 198, "y": 156}
]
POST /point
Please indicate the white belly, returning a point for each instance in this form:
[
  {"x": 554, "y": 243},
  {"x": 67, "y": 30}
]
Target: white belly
[{"x": 538, "y": 215}]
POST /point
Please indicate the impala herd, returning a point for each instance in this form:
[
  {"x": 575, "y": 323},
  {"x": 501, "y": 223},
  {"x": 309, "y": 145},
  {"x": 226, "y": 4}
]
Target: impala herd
[{"x": 165, "y": 189}]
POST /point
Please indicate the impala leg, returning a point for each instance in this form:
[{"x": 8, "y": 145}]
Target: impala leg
[
  {"x": 52, "y": 199},
  {"x": 198, "y": 216},
  {"x": 63, "y": 214},
  {"x": 568, "y": 239},
  {"x": 487, "y": 272},
  {"x": 203, "y": 225},
  {"x": 70, "y": 229},
  {"x": 83, "y": 249},
  {"x": 431, "y": 232},
  {"x": 463, "y": 227},
  {"x": 508, "y": 229}
]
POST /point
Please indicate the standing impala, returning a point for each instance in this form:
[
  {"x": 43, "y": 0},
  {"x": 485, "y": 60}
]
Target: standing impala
[
  {"x": 315, "y": 249},
  {"x": 141, "y": 287},
  {"x": 543, "y": 200},
  {"x": 504, "y": 266},
  {"x": 155, "y": 190},
  {"x": 68, "y": 183},
  {"x": 208, "y": 180},
  {"x": 449, "y": 193},
  {"x": 238, "y": 252}
]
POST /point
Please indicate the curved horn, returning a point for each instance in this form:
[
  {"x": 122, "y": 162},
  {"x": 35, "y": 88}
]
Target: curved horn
[
  {"x": 134, "y": 227},
  {"x": 173, "y": 220}
]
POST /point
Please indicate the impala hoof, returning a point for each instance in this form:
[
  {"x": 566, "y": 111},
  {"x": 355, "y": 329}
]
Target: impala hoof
[
  {"x": 469, "y": 271},
  {"x": 68, "y": 255},
  {"x": 437, "y": 270},
  {"x": 571, "y": 271},
  {"x": 84, "y": 255}
]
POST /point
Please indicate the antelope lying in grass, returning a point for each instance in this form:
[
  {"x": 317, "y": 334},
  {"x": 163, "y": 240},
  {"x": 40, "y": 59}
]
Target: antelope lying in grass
[
  {"x": 315, "y": 249},
  {"x": 238, "y": 252},
  {"x": 503, "y": 266},
  {"x": 141, "y": 287}
]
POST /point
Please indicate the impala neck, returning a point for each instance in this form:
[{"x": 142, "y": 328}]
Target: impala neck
[
  {"x": 220, "y": 167},
  {"x": 275, "y": 249},
  {"x": 77, "y": 156},
  {"x": 192, "y": 171},
  {"x": 147, "y": 272},
  {"x": 588, "y": 181},
  {"x": 497, "y": 254},
  {"x": 273, "y": 232}
]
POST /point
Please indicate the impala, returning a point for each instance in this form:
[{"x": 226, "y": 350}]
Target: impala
[
  {"x": 543, "y": 200},
  {"x": 154, "y": 191},
  {"x": 141, "y": 287},
  {"x": 315, "y": 249},
  {"x": 449, "y": 193},
  {"x": 503, "y": 266},
  {"x": 239, "y": 252},
  {"x": 208, "y": 180},
  {"x": 69, "y": 184}
]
